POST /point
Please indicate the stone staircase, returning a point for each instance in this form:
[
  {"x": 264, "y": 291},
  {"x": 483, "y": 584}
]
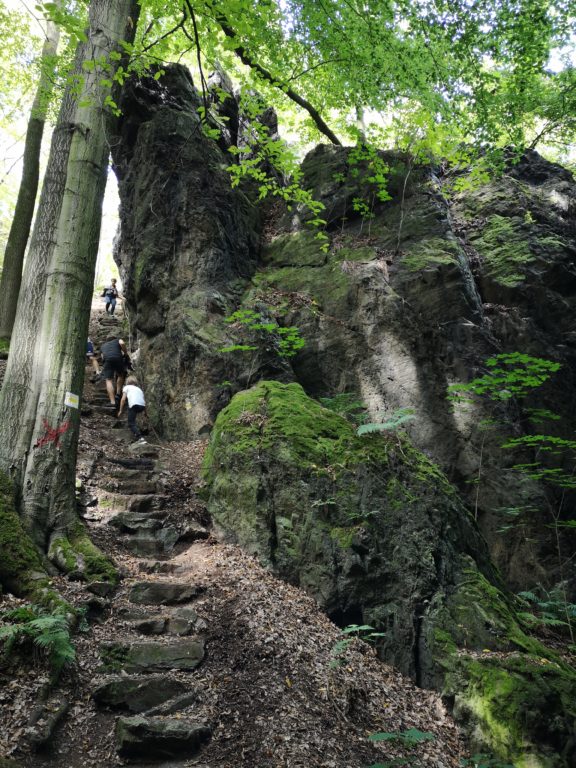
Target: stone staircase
[{"x": 146, "y": 675}]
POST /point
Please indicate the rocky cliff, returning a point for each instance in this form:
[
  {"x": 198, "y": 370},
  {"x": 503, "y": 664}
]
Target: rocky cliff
[{"x": 425, "y": 277}]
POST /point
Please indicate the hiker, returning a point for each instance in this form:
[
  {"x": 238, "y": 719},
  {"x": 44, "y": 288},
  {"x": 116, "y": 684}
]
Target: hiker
[
  {"x": 110, "y": 294},
  {"x": 91, "y": 358},
  {"x": 133, "y": 395},
  {"x": 112, "y": 353}
]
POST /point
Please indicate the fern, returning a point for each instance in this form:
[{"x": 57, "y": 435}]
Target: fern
[
  {"x": 48, "y": 631},
  {"x": 549, "y": 607},
  {"x": 400, "y": 416},
  {"x": 348, "y": 405}
]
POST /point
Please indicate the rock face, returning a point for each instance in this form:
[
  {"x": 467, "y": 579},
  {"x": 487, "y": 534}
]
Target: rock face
[
  {"x": 186, "y": 237},
  {"x": 417, "y": 288},
  {"x": 377, "y": 534},
  {"x": 414, "y": 294}
]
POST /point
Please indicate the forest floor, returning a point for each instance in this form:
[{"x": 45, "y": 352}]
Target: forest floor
[{"x": 274, "y": 686}]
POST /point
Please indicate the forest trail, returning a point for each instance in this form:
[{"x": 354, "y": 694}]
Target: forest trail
[{"x": 201, "y": 657}]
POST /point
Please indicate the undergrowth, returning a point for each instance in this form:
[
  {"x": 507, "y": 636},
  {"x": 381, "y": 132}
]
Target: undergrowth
[{"x": 47, "y": 632}]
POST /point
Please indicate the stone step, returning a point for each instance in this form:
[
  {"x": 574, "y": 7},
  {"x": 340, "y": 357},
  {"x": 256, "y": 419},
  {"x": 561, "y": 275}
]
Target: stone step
[
  {"x": 137, "y": 694},
  {"x": 134, "y": 522},
  {"x": 181, "y": 622},
  {"x": 132, "y": 503},
  {"x": 157, "y": 737},
  {"x": 152, "y": 544},
  {"x": 147, "y": 503},
  {"x": 163, "y": 592},
  {"x": 185, "y": 654},
  {"x": 158, "y": 566},
  {"x": 129, "y": 473},
  {"x": 144, "y": 449},
  {"x": 136, "y": 486}
]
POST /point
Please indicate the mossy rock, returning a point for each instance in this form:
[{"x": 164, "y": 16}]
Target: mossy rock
[
  {"x": 374, "y": 530},
  {"x": 505, "y": 248},
  {"x": 327, "y": 285},
  {"x": 295, "y": 249},
  {"x": 77, "y": 553},
  {"x": 20, "y": 563},
  {"x": 343, "y": 516},
  {"x": 515, "y": 696},
  {"x": 429, "y": 254}
]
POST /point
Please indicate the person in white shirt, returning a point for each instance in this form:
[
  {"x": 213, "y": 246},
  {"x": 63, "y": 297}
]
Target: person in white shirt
[{"x": 134, "y": 397}]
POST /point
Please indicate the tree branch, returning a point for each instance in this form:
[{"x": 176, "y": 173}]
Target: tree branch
[
  {"x": 203, "y": 82},
  {"x": 165, "y": 35},
  {"x": 245, "y": 58}
]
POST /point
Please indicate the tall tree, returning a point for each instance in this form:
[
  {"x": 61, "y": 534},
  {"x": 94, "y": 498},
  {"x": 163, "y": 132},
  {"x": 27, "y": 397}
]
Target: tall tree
[
  {"x": 24, "y": 211},
  {"x": 39, "y": 430}
]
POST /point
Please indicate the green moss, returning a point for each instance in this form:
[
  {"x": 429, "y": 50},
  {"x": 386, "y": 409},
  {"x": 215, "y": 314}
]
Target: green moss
[
  {"x": 344, "y": 536},
  {"x": 504, "y": 680},
  {"x": 360, "y": 253},
  {"x": 282, "y": 418},
  {"x": 444, "y": 642},
  {"x": 295, "y": 249},
  {"x": 78, "y": 553},
  {"x": 4, "y": 348},
  {"x": 327, "y": 285},
  {"x": 428, "y": 253},
  {"x": 203, "y": 327},
  {"x": 504, "y": 246},
  {"x": 19, "y": 559},
  {"x": 516, "y": 701}
]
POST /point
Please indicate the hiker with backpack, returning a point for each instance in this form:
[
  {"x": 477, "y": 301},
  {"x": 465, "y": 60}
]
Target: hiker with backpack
[
  {"x": 110, "y": 294},
  {"x": 133, "y": 396},
  {"x": 113, "y": 353}
]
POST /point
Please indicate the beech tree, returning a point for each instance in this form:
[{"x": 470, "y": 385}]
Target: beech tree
[
  {"x": 41, "y": 392},
  {"x": 20, "y": 228}
]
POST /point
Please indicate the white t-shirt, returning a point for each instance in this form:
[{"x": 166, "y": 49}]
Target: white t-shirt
[{"x": 134, "y": 394}]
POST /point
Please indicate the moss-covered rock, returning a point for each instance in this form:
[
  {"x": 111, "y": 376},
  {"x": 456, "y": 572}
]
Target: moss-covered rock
[
  {"x": 20, "y": 563},
  {"x": 374, "y": 530},
  {"x": 77, "y": 553}
]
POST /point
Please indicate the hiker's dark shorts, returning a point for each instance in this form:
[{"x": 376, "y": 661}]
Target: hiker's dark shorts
[{"x": 113, "y": 365}]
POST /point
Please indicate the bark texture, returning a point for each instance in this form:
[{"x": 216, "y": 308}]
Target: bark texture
[
  {"x": 40, "y": 435},
  {"x": 24, "y": 211}
]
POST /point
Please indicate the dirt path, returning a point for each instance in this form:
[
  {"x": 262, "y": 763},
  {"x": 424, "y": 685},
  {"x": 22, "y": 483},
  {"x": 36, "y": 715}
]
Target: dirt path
[{"x": 201, "y": 657}]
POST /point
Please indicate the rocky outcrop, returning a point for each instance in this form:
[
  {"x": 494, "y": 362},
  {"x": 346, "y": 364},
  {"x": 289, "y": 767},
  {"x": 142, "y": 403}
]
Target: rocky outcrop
[
  {"x": 424, "y": 275},
  {"x": 373, "y": 529},
  {"x": 419, "y": 286},
  {"x": 186, "y": 239}
]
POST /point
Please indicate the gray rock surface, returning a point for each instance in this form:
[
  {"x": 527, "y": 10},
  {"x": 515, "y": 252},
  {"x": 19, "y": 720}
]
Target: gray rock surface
[
  {"x": 153, "y": 657},
  {"x": 137, "y": 694},
  {"x": 159, "y": 737},
  {"x": 163, "y": 593}
]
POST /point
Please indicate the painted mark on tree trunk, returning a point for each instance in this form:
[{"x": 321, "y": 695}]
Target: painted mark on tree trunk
[{"x": 52, "y": 434}]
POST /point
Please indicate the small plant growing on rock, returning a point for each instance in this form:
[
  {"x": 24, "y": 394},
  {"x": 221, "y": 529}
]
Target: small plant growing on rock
[
  {"x": 515, "y": 375},
  {"x": 263, "y": 334},
  {"x": 399, "y": 417},
  {"x": 348, "y": 405}
]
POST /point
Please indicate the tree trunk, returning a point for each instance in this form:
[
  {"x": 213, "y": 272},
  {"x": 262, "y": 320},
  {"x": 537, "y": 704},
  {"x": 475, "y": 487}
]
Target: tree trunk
[
  {"x": 39, "y": 432},
  {"x": 24, "y": 211}
]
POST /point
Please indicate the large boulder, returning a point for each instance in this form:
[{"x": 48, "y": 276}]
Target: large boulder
[{"x": 374, "y": 530}]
